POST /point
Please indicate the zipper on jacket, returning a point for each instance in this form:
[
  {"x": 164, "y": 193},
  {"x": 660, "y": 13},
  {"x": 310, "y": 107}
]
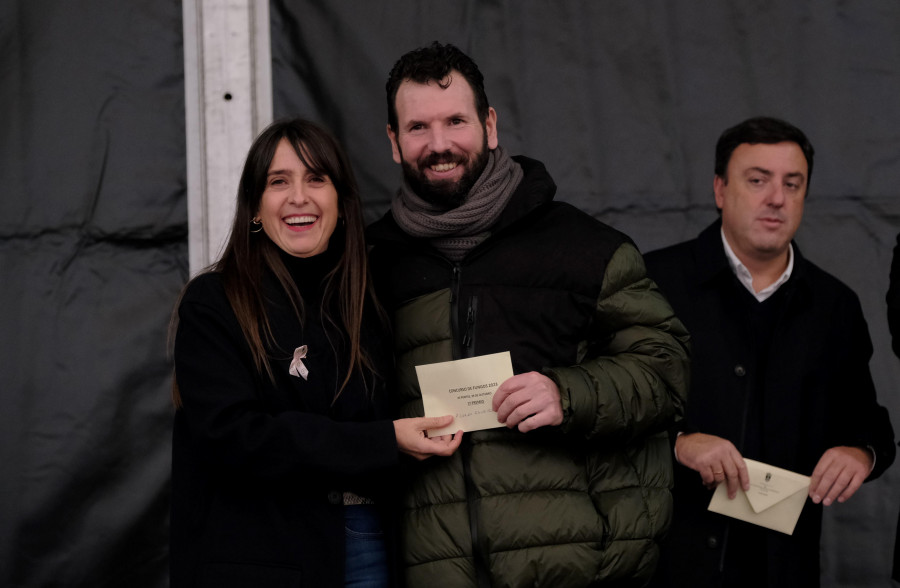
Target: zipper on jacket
[
  {"x": 468, "y": 340},
  {"x": 454, "y": 308},
  {"x": 480, "y": 557},
  {"x": 454, "y": 284},
  {"x": 473, "y": 500}
]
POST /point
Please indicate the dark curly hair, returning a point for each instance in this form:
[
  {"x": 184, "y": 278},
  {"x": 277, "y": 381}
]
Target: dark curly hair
[{"x": 435, "y": 62}]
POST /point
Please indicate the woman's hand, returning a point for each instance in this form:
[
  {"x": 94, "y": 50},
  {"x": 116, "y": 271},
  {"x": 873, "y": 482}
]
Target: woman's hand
[{"x": 413, "y": 440}]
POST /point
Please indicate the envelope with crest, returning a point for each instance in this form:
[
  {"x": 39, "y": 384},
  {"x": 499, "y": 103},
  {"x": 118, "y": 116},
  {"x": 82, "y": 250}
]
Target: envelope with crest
[{"x": 775, "y": 499}]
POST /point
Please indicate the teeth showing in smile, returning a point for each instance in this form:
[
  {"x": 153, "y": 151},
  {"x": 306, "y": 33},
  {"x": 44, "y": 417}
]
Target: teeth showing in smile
[
  {"x": 442, "y": 167},
  {"x": 307, "y": 219}
]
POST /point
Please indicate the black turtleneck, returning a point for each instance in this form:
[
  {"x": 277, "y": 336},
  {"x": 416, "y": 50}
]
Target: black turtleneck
[{"x": 323, "y": 332}]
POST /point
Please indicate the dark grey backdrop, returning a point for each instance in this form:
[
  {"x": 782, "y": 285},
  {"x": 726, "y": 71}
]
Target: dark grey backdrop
[
  {"x": 622, "y": 100},
  {"x": 93, "y": 251}
]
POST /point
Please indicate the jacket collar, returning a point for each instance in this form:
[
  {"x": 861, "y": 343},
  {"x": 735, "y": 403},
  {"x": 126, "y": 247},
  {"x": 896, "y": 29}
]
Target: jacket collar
[
  {"x": 536, "y": 189},
  {"x": 713, "y": 265}
]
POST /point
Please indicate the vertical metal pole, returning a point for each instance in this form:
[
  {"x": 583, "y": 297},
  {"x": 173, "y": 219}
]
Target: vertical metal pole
[{"x": 228, "y": 99}]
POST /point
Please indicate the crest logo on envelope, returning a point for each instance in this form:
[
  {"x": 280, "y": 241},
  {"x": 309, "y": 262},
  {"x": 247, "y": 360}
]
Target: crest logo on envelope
[{"x": 775, "y": 499}]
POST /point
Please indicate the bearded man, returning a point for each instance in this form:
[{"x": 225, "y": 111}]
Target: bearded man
[{"x": 475, "y": 258}]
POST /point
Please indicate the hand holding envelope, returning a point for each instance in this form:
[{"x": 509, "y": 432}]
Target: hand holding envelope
[
  {"x": 716, "y": 459},
  {"x": 775, "y": 498},
  {"x": 839, "y": 474},
  {"x": 527, "y": 402},
  {"x": 412, "y": 439},
  {"x": 464, "y": 388}
]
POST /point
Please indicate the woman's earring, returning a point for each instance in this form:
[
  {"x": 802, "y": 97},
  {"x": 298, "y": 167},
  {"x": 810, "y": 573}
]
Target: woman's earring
[{"x": 255, "y": 225}]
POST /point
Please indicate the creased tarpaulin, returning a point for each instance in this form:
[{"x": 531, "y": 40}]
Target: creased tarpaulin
[
  {"x": 93, "y": 254},
  {"x": 622, "y": 100}
]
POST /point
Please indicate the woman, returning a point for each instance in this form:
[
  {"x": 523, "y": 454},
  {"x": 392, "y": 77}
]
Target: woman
[{"x": 281, "y": 435}]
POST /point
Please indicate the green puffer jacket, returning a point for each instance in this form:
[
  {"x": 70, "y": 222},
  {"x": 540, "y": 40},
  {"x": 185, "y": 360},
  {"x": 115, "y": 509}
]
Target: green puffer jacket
[{"x": 578, "y": 505}]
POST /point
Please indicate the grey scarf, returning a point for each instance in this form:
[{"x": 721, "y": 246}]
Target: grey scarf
[{"x": 454, "y": 232}]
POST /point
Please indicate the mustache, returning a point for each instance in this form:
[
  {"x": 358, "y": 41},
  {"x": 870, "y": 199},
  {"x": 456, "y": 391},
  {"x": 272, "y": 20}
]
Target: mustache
[{"x": 436, "y": 158}]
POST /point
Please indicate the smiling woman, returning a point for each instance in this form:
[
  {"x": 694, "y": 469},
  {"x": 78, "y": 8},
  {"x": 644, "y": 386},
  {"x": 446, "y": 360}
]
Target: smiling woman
[
  {"x": 299, "y": 207},
  {"x": 283, "y": 446}
]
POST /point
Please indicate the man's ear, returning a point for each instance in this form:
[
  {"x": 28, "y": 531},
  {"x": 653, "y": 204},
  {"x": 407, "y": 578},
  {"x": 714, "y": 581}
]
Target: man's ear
[
  {"x": 719, "y": 184},
  {"x": 395, "y": 148},
  {"x": 490, "y": 127}
]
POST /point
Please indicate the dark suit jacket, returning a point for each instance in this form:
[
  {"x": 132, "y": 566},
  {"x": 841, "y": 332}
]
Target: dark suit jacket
[
  {"x": 814, "y": 392},
  {"x": 893, "y": 304}
]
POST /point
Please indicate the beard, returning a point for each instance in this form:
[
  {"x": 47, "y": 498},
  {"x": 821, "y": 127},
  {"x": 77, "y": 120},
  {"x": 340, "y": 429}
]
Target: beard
[{"x": 446, "y": 194}]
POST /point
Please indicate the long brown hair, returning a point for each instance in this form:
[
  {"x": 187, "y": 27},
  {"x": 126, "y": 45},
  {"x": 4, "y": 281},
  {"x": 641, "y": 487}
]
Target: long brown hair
[{"x": 249, "y": 255}]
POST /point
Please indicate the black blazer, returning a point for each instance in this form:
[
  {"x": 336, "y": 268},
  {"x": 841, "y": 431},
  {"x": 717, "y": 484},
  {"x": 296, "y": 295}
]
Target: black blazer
[{"x": 817, "y": 393}]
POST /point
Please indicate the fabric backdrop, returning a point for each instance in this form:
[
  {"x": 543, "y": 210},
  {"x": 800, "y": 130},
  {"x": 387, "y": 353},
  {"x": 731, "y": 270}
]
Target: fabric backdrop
[
  {"x": 622, "y": 100},
  {"x": 93, "y": 252}
]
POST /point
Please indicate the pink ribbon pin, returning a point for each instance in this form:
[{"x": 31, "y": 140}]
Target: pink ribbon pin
[{"x": 297, "y": 367}]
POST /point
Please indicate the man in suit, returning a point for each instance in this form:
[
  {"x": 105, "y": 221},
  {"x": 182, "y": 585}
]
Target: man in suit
[{"x": 780, "y": 369}]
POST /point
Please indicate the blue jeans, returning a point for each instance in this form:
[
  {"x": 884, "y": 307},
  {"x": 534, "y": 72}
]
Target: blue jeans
[{"x": 366, "y": 563}]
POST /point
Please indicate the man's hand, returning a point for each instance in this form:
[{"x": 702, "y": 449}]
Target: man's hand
[
  {"x": 413, "y": 440},
  {"x": 528, "y": 401},
  {"x": 716, "y": 459},
  {"x": 839, "y": 474}
]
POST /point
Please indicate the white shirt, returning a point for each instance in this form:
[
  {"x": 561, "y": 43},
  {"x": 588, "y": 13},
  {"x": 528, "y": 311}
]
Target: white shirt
[{"x": 744, "y": 277}]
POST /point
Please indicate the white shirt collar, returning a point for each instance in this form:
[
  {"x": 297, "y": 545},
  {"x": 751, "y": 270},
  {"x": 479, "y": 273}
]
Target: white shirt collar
[{"x": 743, "y": 274}]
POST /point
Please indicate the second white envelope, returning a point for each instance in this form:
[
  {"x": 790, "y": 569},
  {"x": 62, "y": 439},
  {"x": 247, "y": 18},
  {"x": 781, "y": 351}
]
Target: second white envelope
[{"x": 775, "y": 499}]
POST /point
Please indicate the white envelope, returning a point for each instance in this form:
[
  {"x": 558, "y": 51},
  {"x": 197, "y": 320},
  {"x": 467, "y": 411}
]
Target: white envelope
[
  {"x": 775, "y": 499},
  {"x": 464, "y": 388}
]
